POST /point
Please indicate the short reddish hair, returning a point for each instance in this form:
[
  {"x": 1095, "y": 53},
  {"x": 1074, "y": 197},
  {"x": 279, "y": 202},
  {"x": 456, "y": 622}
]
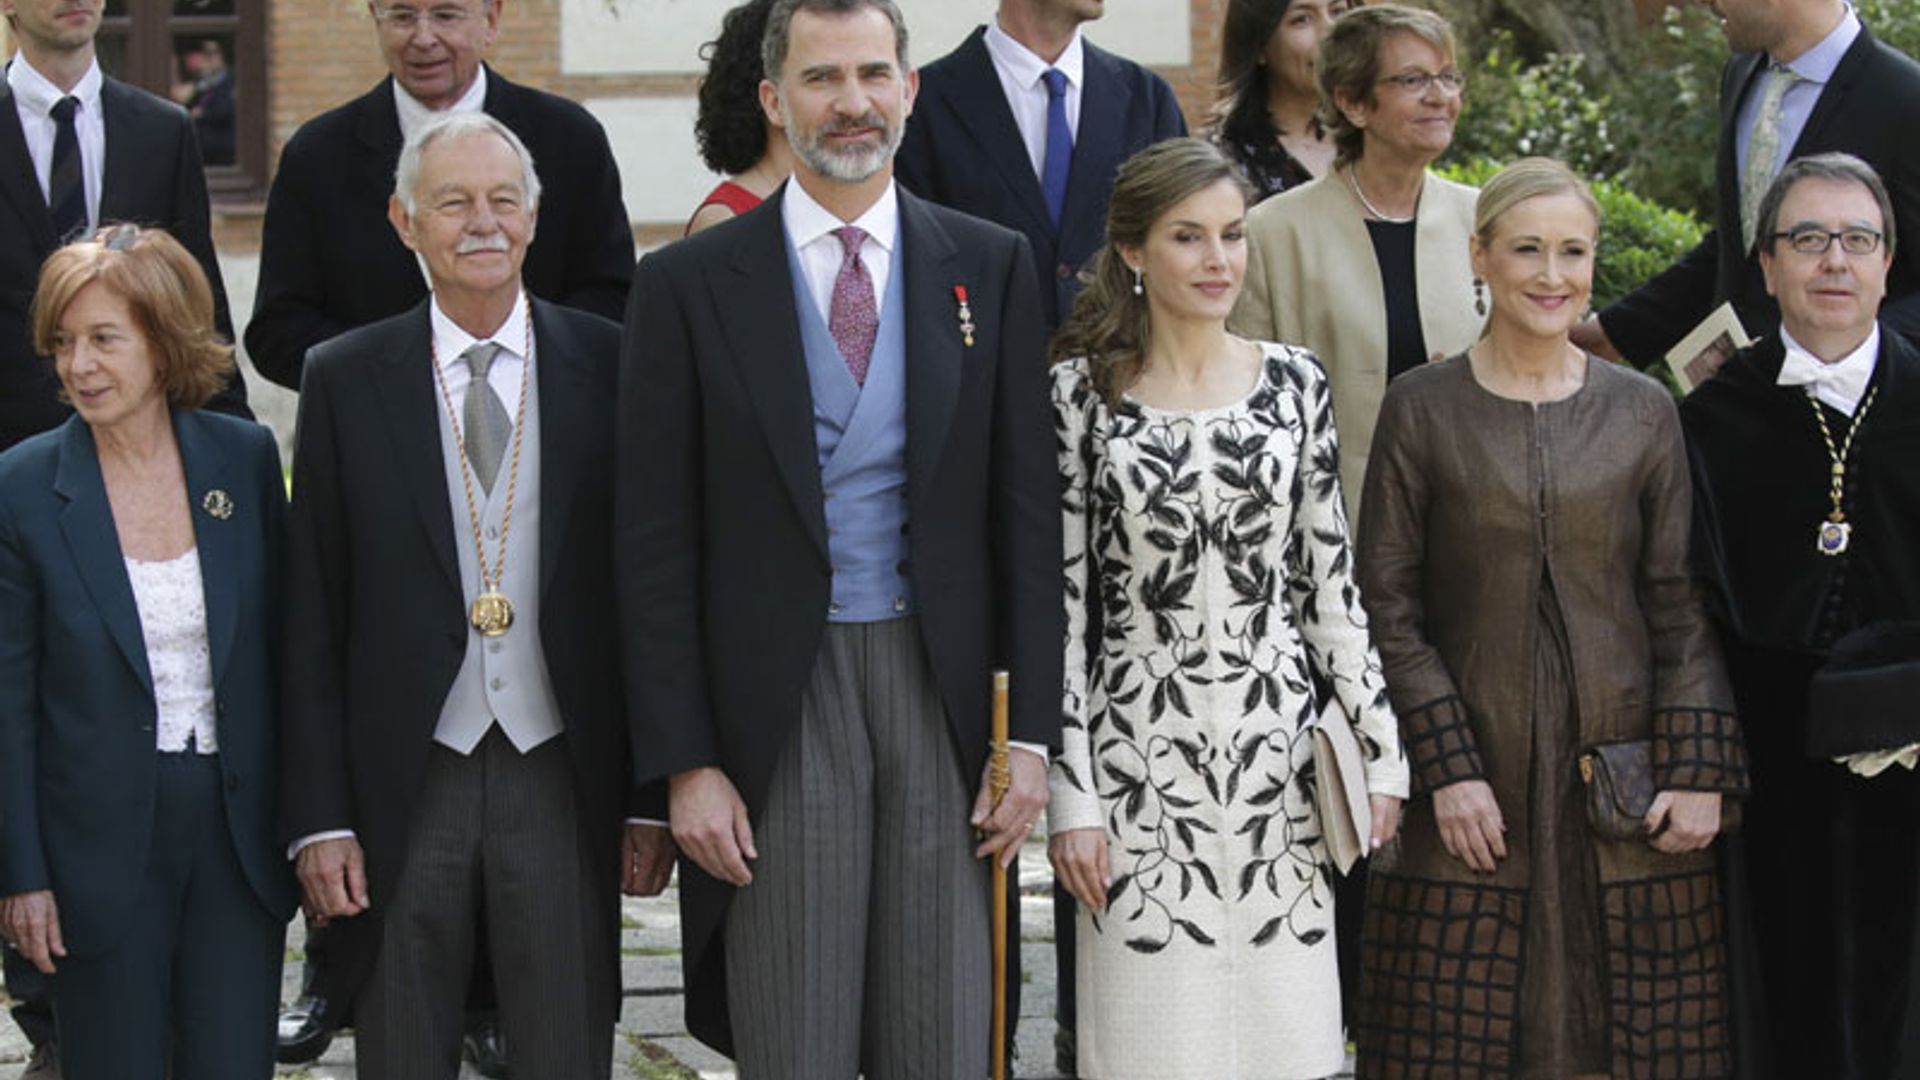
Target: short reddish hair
[{"x": 166, "y": 290}]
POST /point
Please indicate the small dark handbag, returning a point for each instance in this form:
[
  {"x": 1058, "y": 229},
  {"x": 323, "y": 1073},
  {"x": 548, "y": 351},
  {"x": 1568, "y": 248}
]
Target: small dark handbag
[
  {"x": 1619, "y": 779},
  {"x": 1620, "y": 791}
]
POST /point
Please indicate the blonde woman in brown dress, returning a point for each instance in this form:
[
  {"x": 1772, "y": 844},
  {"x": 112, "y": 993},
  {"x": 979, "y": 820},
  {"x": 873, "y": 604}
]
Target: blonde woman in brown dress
[{"x": 1523, "y": 560}]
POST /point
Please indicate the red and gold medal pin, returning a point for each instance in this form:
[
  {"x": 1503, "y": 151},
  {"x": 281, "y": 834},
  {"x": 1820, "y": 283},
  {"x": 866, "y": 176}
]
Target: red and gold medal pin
[{"x": 966, "y": 314}]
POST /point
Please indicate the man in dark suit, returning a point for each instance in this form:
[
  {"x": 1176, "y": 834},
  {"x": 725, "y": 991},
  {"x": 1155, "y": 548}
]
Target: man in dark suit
[
  {"x": 1025, "y": 125},
  {"x": 123, "y": 155},
  {"x": 1805, "y": 78},
  {"x": 455, "y": 742},
  {"x": 834, "y": 517},
  {"x": 328, "y": 261}
]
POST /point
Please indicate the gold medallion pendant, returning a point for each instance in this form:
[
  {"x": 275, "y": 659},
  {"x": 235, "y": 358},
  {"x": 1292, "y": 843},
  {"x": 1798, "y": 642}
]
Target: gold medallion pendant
[{"x": 491, "y": 614}]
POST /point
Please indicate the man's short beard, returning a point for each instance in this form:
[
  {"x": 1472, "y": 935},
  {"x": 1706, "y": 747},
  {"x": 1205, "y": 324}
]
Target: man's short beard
[{"x": 849, "y": 166}]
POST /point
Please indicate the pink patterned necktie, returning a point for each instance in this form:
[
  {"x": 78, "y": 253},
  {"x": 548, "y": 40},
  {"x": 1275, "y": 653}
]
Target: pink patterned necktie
[{"x": 853, "y": 318}]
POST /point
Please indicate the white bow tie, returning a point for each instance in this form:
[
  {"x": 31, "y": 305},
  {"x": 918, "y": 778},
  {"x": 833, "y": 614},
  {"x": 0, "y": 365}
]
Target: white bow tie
[{"x": 1840, "y": 385}]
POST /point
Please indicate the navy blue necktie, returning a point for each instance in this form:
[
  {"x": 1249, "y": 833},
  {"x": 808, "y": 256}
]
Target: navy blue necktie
[
  {"x": 66, "y": 193},
  {"x": 1053, "y": 170}
]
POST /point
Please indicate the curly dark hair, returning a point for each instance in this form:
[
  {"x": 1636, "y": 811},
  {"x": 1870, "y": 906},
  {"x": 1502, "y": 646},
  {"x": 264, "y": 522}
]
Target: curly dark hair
[{"x": 731, "y": 128}]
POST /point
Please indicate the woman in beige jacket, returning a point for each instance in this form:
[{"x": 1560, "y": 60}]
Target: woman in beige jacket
[{"x": 1367, "y": 266}]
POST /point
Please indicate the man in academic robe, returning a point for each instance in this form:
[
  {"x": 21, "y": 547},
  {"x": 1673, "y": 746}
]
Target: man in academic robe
[
  {"x": 455, "y": 746},
  {"x": 1806, "y": 464},
  {"x": 837, "y": 512}
]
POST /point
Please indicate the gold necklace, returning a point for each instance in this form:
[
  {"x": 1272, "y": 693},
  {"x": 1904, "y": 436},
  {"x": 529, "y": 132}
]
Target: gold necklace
[
  {"x": 491, "y": 612},
  {"x": 1836, "y": 532}
]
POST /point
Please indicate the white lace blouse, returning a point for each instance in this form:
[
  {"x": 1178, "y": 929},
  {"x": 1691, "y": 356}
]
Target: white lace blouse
[{"x": 173, "y": 621}]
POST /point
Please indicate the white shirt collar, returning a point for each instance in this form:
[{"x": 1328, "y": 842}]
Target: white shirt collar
[
  {"x": 449, "y": 340},
  {"x": 806, "y": 220},
  {"x": 1840, "y": 384},
  {"x": 1025, "y": 65},
  {"x": 414, "y": 115},
  {"x": 39, "y": 94}
]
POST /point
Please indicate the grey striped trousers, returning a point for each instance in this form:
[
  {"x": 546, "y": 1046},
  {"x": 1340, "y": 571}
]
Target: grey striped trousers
[
  {"x": 862, "y": 945},
  {"x": 495, "y": 835}
]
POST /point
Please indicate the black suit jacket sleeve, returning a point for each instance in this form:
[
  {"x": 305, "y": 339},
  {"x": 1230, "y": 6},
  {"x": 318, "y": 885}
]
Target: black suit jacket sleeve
[
  {"x": 315, "y": 784},
  {"x": 599, "y": 249},
  {"x": 1025, "y": 518},
  {"x": 1651, "y": 319},
  {"x": 290, "y": 310},
  {"x": 657, "y": 511}
]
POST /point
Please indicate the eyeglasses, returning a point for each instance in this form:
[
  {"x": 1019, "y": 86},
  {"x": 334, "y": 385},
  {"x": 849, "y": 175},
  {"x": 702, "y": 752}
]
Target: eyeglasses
[
  {"x": 1813, "y": 240},
  {"x": 405, "y": 20},
  {"x": 1416, "y": 83}
]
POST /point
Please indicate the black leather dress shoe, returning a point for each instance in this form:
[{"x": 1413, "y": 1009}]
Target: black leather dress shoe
[
  {"x": 485, "y": 1047},
  {"x": 305, "y": 1031}
]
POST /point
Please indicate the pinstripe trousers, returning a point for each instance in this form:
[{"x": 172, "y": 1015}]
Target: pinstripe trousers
[
  {"x": 862, "y": 945},
  {"x": 495, "y": 837}
]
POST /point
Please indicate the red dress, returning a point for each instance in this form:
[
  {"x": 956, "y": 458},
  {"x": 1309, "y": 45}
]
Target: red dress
[{"x": 727, "y": 194}]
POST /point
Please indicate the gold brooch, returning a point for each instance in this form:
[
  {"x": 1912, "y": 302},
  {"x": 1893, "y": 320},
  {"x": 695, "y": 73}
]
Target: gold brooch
[{"x": 218, "y": 503}]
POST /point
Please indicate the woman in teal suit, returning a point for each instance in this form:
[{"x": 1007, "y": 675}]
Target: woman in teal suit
[{"x": 139, "y": 583}]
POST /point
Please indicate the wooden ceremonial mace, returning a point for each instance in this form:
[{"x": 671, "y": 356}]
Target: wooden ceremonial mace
[{"x": 999, "y": 778}]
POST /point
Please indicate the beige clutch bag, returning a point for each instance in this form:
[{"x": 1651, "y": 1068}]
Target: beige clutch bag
[{"x": 1346, "y": 819}]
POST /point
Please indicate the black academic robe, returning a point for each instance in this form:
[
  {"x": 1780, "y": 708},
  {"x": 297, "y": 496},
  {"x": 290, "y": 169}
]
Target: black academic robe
[{"x": 1826, "y": 870}]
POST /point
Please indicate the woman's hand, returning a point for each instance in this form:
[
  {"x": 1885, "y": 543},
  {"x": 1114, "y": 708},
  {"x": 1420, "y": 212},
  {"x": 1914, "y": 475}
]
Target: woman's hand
[
  {"x": 1079, "y": 859},
  {"x": 1385, "y": 810},
  {"x": 31, "y": 922},
  {"x": 1691, "y": 820},
  {"x": 1470, "y": 824}
]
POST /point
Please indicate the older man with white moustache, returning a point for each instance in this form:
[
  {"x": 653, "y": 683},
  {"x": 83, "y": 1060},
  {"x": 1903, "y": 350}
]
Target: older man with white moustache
[{"x": 456, "y": 756}]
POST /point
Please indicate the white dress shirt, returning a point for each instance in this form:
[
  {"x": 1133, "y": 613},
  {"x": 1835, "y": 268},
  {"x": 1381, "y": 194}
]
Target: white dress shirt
[
  {"x": 414, "y": 115},
  {"x": 34, "y": 97},
  {"x": 449, "y": 342},
  {"x": 810, "y": 229},
  {"x": 1021, "y": 71},
  {"x": 1841, "y": 383}
]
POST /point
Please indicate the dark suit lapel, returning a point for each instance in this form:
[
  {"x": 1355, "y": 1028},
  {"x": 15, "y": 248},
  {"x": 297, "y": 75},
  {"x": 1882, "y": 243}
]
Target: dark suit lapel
[
  {"x": 1744, "y": 68},
  {"x": 563, "y": 417},
  {"x": 1104, "y": 103},
  {"x": 126, "y": 151},
  {"x": 980, "y": 104},
  {"x": 935, "y": 345},
  {"x": 766, "y": 346},
  {"x": 87, "y": 524},
  {"x": 378, "y": 125},
  {"x": 18, "y": 185},
  {"x": 410, "y": 400},
  {"x": 1833, "y": 96},
  {"x": 209, "y": 488}
]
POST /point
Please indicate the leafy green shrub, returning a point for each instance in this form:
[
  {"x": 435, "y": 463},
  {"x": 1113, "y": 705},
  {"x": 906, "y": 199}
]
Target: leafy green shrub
[
  {"x": 1514, "y": 109},
  {"x": 1638, "y": 237}
]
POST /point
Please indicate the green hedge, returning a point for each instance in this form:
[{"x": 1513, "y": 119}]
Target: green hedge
[{"x": 1638, "y": 237}]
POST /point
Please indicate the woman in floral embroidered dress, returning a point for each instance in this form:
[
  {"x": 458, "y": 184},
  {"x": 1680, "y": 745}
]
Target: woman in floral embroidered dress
[{"x": 1207, "y": 563}]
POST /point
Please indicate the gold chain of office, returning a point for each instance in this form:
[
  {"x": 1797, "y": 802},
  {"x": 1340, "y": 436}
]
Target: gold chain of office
[{"x": 491, "y": 612}]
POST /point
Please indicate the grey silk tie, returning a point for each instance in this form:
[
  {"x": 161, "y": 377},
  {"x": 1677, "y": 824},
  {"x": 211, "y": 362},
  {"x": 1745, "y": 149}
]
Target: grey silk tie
[
  {"x": 484, "y": 420},
  {"x": 1763, "y": 148}
]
